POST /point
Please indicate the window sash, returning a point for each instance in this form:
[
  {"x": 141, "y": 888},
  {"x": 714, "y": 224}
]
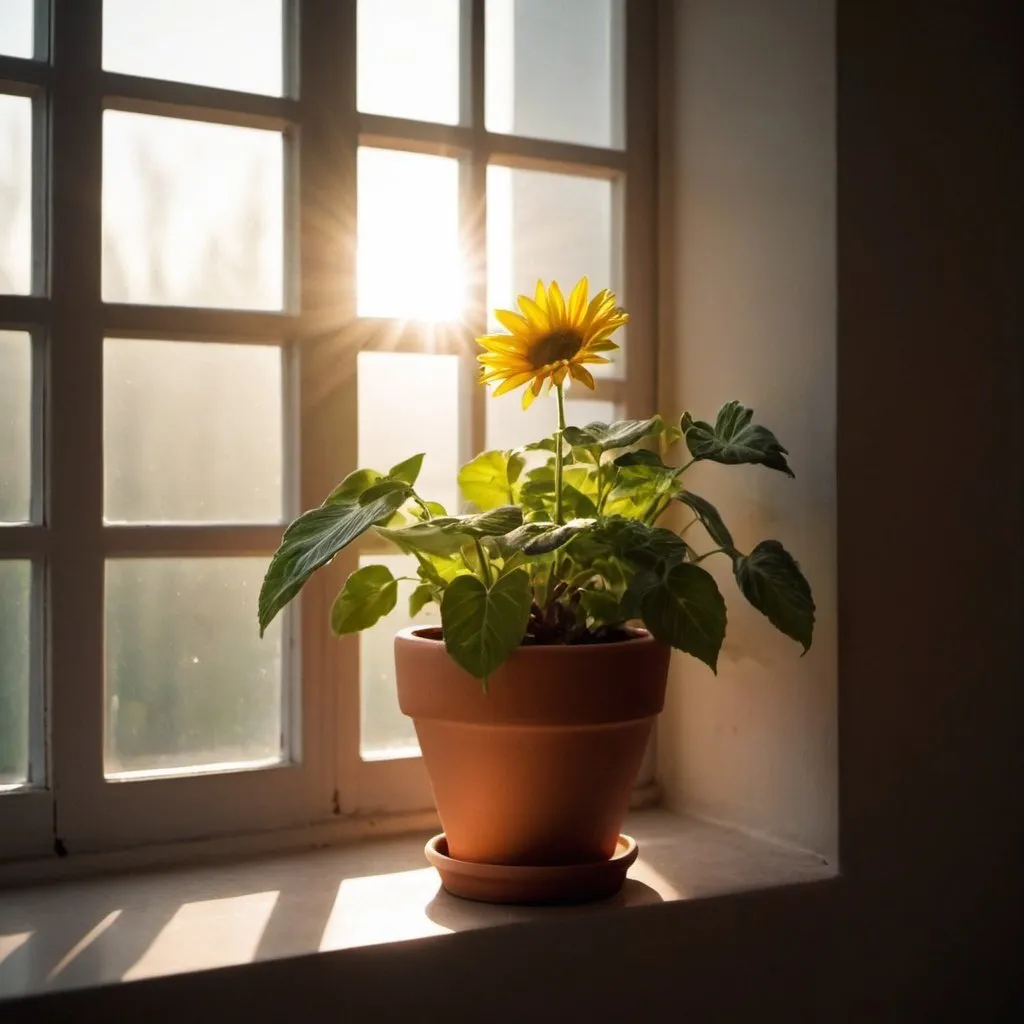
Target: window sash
[{"x": 319, "y": 328}]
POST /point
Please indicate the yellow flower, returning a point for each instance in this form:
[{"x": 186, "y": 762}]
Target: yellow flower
[{"x": 550, "y": 339}]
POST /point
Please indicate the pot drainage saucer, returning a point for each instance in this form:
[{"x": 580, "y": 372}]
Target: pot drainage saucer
[{"x": 513, "y": 883}]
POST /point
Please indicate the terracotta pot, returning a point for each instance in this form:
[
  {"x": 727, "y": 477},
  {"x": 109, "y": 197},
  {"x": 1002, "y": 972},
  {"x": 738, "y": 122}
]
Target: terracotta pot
[{"x": 538, "y": 770}]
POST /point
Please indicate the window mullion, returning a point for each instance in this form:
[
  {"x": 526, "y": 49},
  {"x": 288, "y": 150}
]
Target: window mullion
[
  {"x": 636, "y": 213},
  {"x": 474, "y": 227},
  {"x": 75, "y": 413},
  {"x": 327, "y": 379}
]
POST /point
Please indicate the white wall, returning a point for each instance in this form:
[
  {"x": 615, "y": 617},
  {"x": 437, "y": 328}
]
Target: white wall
[{"x": 748, "y": 311}]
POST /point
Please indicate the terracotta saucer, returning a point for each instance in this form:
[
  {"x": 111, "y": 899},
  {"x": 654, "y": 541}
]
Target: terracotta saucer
[{"x": 507, "y": 883}]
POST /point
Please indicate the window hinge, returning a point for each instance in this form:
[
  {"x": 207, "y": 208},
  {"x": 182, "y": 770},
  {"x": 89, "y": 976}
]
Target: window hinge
[{"x": 335, "y": 804}]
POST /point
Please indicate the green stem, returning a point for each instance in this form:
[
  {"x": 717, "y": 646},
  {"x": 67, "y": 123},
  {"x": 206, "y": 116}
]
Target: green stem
[
  {"x": 419, "y": 501},
  {"x": 484, "y": 564},
  {"x": 682, "y": 469},
  {"x": 688, "y": 525},
  {"x": 558, "y": 455},
  {"x": 708, "y": 554}
]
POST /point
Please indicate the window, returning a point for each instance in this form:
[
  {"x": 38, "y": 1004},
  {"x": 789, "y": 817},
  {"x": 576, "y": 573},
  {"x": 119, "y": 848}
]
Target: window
[{"x": 238, "y": 259}]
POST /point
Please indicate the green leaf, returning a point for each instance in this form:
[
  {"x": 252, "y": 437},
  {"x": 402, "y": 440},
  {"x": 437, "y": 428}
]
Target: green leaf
[
  {"x": 772, "y": 582},
  {"x": 446, "y": 534},
  {"x": 407, "y": 471},
  {"x": 482, "y": 626},
  {"x": 428, "y": 536},
  {"x": 709, "y": 517},
  {"x": 419, "y": 599},
  {"x": 494, "y": 523},
  {"x": 734, "y": 439},
  {"x": 385, "y": 487},
  {"x": 642, "y": 457},
  {"x": 311, "y": 542},
  {"x": 353, "y": 486},
  {"x": 602, "y": 607},
  {"x": 368, "y": 595},
  {"x": 687, "y": 610},
  {"x": 647, "y": 547},
  {"x": 632, "y": 596},
  {"x": 485, "y": 480},
  {"x": 435, "y": 508},
  {"x": 541, "y": 538},
  {"x": 616, "y": 435}
]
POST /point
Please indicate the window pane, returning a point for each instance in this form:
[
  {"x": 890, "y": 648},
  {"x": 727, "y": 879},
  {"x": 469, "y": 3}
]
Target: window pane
[
  {"x": 408, "y": 59},
  {"x": 555, "y": 70},
  {"x": 509, "y": 425},
  {"x": 189, "y": 682},
  {"x": 192, "y": 432},
  {"x": 553, "y": 227},
  {"x": 384, "y": 730},
  {"x": 15, "y": 587},
  {"x": 15, "y": 426},
  {"x": 16, "y": 28},
  {"x": 230, "y": 44},
  {"x": 193, "y": 213},
  {"x": 408, "y": 263},
  {"x": 15, "y": 195},
  {"x": 407, "y": 404}
]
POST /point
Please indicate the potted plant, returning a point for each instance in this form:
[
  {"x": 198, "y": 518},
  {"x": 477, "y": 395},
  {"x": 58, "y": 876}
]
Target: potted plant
[{"x": 560, "y": 598}]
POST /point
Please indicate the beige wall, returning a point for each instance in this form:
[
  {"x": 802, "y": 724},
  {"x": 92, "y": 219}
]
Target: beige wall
[{"x": 748, "y": 311}]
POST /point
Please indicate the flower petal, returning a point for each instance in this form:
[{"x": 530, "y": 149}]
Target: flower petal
[
  {"x": 533, "y": 391},
  {"x": 559, "y": 374},
  {"x": 536, "y": 315},
  {"x": 513, "y": 321},
  {"x": 582, "y": 375},
  {"x": 577, "y": 304},
  {"x": 512, "y": 383},
  {"x": 556, "y": 305}
]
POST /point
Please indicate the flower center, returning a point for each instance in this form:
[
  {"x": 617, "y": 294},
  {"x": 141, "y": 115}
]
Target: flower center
[{"x": 554, "y": 348}]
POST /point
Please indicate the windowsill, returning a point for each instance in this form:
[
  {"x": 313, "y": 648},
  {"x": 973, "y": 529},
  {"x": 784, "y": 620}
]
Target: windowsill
[{"x": 95, "y": 932}]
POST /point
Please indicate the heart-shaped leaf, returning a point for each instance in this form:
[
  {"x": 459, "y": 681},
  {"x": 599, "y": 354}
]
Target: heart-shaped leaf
[
  {"x": 602, "y": 608},
  {"x": 486, "y": 480},
  {"x": 772, "y": 582},
  {"x": 607, "y": 436},
  {"x": 482, "y": 626},
  {"x": 407, "y": 471},
  {"x": 352, "y": 487},
  {"x": 709, "y": 517},
  {"x": 419, "y": 599},
  {"x": 686, "y": 609},
  {"x": 445, "y": 535},
  {"x": 368, "y": 595},
  {"x": 734, "y": 439},
  {"x": 312, "y": 541},
  {"x": 540, "y": 538}
]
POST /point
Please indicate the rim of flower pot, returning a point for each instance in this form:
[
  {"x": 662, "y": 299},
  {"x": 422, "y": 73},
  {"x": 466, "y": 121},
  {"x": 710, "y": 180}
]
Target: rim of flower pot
[{"x": 432, "y": 636}]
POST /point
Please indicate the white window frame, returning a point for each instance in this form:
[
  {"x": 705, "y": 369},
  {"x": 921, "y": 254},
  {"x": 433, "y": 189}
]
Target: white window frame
[{"x": 68, "y": 804}]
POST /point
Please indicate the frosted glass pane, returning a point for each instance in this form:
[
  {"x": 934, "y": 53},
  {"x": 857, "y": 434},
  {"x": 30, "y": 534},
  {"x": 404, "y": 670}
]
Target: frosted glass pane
[
  {"x": 509, "y": 426},
  {"x": 409, "y": 263},
  {"x": 229, "y": 44},
  {"x": 553, "y": 227},
  {"x": 15, "y": 426},
  {"x": 555, "y": 70},
  {"x": 15, "y": 195},
  {"x": 15, "y": 587},
  {"x": 193, "y": 213},
  {"x": 407, "y": 404},
  {"x": 192, "y": 432},
  {"x": 16, "y": 28},
  {"x": 189, "y": 682},
  {"x": 408, "y": 59},
  {"x": 384, "y": 730}
]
